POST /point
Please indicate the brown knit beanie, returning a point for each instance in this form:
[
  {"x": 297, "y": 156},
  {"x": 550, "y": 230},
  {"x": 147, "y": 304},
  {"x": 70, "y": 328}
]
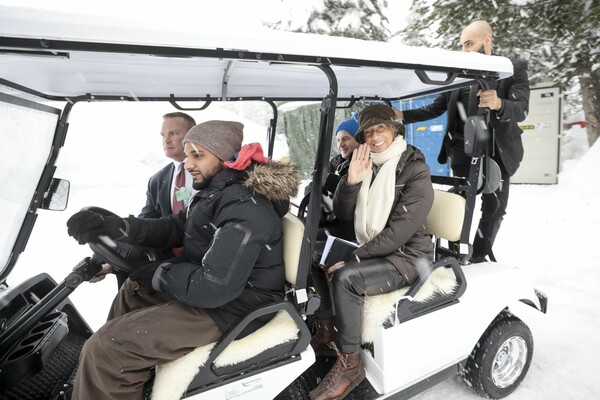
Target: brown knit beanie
[
  {"x": 374, "y": 115},
  {"x": 222, "y": 138}
]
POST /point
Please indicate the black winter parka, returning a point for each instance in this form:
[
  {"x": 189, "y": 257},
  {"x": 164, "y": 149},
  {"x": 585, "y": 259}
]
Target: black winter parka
[{"x": 232, "y": 240}]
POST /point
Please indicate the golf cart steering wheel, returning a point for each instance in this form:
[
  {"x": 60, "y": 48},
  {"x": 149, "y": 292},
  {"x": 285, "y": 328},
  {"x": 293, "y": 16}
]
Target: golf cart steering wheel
[{"x": 109, "y": 253}]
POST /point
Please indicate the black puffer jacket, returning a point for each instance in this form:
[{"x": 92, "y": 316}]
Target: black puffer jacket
[
  {"x": 403, "y": 241},
  {"x": 232, "y": 240}
]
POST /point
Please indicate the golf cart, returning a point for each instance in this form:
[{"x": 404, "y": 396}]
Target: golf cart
[{"x": 459, "y": 318}]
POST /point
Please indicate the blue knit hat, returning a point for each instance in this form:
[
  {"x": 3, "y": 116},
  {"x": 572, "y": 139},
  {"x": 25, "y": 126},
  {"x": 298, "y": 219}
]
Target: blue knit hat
[{"x": 350, "y": 125}]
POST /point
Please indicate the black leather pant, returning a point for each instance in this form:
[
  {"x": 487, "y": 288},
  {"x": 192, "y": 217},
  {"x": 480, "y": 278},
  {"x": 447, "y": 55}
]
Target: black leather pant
[{"x": 348, "y": 287}]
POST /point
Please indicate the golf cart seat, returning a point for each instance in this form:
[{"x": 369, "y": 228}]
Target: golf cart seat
[
  {"x": 437, "y": 285},
  {"x": 281, "y": 339}
]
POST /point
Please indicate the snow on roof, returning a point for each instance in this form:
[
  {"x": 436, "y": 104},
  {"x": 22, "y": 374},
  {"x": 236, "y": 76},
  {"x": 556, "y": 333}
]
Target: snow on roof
[{"x": 386, "y": 69}]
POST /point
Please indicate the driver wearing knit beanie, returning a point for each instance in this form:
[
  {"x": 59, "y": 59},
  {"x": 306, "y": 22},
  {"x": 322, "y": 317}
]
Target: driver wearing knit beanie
[{"x": 222, "y": 138}]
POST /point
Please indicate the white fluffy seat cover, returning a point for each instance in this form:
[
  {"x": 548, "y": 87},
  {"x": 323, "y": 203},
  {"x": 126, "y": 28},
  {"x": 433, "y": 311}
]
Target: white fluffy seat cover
[
  {"x": 380, "y": 308},
  {"x": 173, "y": 378}
]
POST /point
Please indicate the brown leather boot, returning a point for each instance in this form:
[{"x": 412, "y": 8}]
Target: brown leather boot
[
  {"x": 324, "y": 333},
  {"x": 347, "y": 372}
]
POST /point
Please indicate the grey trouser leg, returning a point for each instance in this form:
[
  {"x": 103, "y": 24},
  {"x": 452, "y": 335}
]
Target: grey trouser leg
[
  {"x": 349, "y": 285},
  {"x": 115, "y": 361}
]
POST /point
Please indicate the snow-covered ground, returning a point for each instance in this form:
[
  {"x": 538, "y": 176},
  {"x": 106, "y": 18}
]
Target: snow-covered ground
[{"x": 549, "y": 231}]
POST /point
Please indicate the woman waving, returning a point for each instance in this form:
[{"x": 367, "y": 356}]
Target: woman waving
[{"x": 387, "y": 194}]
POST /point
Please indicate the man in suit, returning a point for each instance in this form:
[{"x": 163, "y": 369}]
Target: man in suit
[
  {"x": 169, "y": 190},
  {"x": 164, "y": 194},
  {"x": 508, "y": 102}
]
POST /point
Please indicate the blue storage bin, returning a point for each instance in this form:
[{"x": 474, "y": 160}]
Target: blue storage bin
[{"x": 426, "y": 135}]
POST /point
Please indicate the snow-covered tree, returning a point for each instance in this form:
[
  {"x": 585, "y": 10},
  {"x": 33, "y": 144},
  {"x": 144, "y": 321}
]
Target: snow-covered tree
[
  {"x": 360, "y": 19},
  {"x": 559, "y": 38}
]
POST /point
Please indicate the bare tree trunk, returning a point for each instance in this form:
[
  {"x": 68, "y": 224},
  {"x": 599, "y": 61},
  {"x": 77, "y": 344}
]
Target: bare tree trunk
[{"x": 590, "y": 93}]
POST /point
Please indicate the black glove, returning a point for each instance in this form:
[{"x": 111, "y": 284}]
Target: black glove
[
  {"x": 144, "y": 274},
  {"x": 87, "y": 226}
]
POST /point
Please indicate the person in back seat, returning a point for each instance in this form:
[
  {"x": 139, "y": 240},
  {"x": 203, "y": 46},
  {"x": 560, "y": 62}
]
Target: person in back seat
[
  {"x": 232, "y": 263},
  {"x": 338, "y": 168},
  {"x": 328, "y": 223},
  {"x": 387, "y": 194}
]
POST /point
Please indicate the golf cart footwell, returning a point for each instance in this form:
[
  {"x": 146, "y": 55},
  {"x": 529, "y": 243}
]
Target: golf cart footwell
[{"x": 58, "y": 369}]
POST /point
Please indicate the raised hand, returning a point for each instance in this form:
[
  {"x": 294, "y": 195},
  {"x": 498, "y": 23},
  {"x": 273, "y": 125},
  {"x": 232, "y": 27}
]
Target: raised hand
[{"x": 360, "y": 165}]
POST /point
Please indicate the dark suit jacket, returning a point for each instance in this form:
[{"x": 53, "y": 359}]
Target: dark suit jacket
[
  {"x": 514, "y": 92},
  {"x": 158, "y": 195}
]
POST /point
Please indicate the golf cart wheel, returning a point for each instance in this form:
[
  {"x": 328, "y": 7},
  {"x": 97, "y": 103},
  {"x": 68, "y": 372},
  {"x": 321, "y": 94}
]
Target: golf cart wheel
[{"x": 500, "y": 361}]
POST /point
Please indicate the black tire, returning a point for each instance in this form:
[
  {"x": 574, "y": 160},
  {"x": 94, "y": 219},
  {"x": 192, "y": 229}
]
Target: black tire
[{"x": 501, "y": 359}]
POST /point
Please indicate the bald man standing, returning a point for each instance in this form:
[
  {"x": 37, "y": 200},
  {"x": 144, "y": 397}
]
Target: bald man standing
[{"x": 508, "y": 102}]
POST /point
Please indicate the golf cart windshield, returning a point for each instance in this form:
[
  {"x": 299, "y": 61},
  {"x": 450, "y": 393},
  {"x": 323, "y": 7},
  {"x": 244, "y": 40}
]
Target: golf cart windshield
[{"x": 27, "y": 135}]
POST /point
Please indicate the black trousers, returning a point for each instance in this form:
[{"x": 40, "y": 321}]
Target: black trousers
[
  {"x": 346, "y": 291},
  {"x": 493, "y": 209}
]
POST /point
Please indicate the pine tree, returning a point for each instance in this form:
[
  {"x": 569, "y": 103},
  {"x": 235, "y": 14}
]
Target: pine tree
[
  {"x": 359, "y": 19},
  {"x": 559, "y": 38}
]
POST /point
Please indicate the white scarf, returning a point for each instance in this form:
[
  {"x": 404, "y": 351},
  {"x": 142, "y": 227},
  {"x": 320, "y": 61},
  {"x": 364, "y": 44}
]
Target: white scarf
[{"x": 374, "y": 202}]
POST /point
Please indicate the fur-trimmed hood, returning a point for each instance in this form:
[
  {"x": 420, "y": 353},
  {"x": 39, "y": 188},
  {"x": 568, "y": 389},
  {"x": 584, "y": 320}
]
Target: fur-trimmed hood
[{"x": 276, "y": 181}]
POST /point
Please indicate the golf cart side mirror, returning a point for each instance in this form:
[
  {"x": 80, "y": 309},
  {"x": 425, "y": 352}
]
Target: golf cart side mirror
[
  {"x": 57, "y": 196},
  {"x": 476, "y": 136}
]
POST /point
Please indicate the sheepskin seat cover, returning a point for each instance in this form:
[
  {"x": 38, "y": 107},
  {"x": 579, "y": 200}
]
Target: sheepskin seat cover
[
  {"x": 173, "y": 378},
  {"x": 380, "y": 308}
]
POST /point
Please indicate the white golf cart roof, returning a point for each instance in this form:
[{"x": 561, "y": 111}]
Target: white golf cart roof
[
  {"x": 63, "y": 55},
  {"x": 72, "y": 58}
]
